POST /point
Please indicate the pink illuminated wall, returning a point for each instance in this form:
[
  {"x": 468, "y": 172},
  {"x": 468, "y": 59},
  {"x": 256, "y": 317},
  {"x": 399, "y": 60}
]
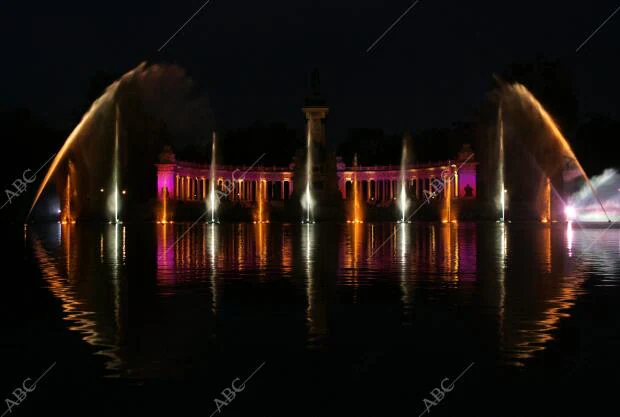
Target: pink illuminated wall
[
  {"x": 165, "y": 179},
  {"x": 467, "y": 177}
]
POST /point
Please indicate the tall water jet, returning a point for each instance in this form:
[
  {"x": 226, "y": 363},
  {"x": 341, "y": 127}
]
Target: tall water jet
[
  {"x": 526, "y": 98},
  {"x": 116, "y": 166},
  {"x": 149, "y": 97},
  {"x": 402, "y": 198},
  {"x": 546, "y": 201},
  {"x": 356, "y": 206},
  {"x": 448, "y": 200},
  {"x": 66, "y": 216},
  {"x": 164, "y": 206},
  {"x": 503, "y": 204},
  {"x": 95, "y": 111},
  {"x": 307, "y": 200},
  {"x": 500, "y": 176},
  {"x": 213, "y": 201},
  {"x": 261, "y": 202}
]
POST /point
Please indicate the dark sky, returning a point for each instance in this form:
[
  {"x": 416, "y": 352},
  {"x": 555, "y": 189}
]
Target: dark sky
[{"x": 252, "y": 59}]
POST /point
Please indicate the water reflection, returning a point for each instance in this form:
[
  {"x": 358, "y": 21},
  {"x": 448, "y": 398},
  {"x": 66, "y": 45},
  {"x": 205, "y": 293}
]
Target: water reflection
[
  {"x": 521, "y": 280},
  {"x": 99, "y": 323}
]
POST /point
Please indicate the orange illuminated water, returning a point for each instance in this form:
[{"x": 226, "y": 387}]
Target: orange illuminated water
[
  {"x": 261, "y": 215},
  {"x": 547, "y": 201},
  {"x": 309, "y": 290},
  {"x": 100, "y": 106},
  {"x": 164, "y": 203},
  {"x": 66, "y": 216},
  {"x": 524, "y": 94},
  {"x": 356, "y": 204},
  {"x": 448, "y": 202}
]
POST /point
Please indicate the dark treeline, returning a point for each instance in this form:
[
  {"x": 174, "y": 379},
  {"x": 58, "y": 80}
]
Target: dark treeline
[
  {"x": 243, "y": 146},
  {"x": 375, "y": 147}
]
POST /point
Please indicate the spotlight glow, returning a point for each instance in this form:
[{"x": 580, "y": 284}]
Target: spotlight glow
[{"x": 570, "y": 212}]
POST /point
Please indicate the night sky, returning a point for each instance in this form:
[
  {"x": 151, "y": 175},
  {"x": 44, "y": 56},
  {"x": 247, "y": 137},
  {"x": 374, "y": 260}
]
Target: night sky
[{"x": 253, "y": 59}]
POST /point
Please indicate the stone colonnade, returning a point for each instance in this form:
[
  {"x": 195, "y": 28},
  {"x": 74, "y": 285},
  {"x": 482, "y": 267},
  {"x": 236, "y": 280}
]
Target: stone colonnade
[
  {"x": 193, "y": 183},
  {"x": 383, "y": 184}
]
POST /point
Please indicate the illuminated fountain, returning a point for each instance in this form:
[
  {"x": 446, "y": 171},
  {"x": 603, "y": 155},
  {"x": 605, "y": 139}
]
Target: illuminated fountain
[
  {"x": 66, "y": 215},
  {"x": 103, "y": 105},
  {"x": 447, "y": 208},
  {"x": 356, "y": 206},
  {"x": 116, "y": 168},
  {"x": 213, "y": 201},
  {"x": 307, "y": 201},
  {"x": 164, "y": 206},
  {"x": 101, "y": 148},
  {"x": 542, "y": 143},
  {"x": 546, "y": 201},
  {"x": 402, "y": 198},
  {"x": 261, "y": 215},
  {"x": 500, "y": 171}
]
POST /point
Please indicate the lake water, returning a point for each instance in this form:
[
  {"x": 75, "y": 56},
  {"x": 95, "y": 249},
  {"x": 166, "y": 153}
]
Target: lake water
[{"x": 336, "y": 319}]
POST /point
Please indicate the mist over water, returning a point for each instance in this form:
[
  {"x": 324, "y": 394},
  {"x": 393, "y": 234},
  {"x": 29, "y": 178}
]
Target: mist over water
[{"x": 607, "y": 186}]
